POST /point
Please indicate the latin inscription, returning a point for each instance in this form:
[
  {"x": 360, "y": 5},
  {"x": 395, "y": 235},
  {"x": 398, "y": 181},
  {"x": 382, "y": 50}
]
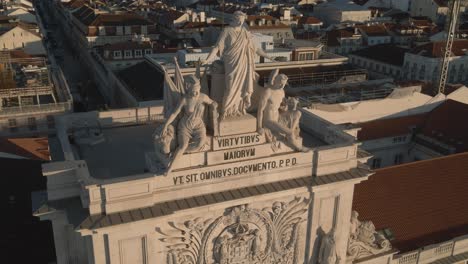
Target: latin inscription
[
  {"x": 233, "y": 171},
  {"x": 239, "y": 154},
  {"x": 238, "y": 141}
]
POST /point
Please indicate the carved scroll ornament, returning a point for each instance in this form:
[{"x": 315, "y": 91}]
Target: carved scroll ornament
[{"x": 241, "y": 235}]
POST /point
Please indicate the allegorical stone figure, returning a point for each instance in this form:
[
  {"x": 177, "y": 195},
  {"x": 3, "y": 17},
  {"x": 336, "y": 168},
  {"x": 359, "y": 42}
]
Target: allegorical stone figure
[
  {"x": 270, "y": 101},
  {"x": 268, "y": 112},
  {"x": 191, "y": 126},
  {"x": 290, "y": 119},
  {"x": 237, "y": 50},
  {"x": 328, "y": 253}
]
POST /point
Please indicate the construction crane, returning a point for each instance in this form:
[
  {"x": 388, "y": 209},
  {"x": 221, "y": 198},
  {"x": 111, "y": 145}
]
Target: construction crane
[{"x": 450, "y": 26}]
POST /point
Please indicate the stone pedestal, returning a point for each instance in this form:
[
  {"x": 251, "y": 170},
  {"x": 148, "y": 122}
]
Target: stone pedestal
[{"x": 238, "y": 125}]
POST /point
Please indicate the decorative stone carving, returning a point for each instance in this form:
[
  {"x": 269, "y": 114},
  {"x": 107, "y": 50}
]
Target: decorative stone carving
[
  {"x": 242, "y": 235},
  {"x": 328, "y": 253},
  {"x": 237, "y": 50},
  {"x": 364, "y": 241},
  {"x": 269, "y": 119},
  {"x": 187, "y": 116}
]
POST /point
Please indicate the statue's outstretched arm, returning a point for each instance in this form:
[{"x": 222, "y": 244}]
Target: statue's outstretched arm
[
  {"x": 260, "y": 52},
  {"x": 212, "y": 55}
]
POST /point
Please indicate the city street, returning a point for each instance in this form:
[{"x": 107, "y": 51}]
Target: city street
[{"x": 86, "y": 96}]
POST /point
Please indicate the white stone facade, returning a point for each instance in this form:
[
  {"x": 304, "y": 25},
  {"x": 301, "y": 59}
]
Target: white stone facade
[{"x": 419, "y": 67}]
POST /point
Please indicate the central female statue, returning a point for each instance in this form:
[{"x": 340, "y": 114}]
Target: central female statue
[{"x": 237, "y": 50}]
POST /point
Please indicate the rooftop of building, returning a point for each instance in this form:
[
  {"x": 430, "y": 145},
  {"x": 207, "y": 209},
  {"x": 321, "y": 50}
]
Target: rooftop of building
[
  {"x": 399, "y": 101},
  {"x": 435, "y": 49},
  {"x": 420, "y": 203},
  {"x": 87, "y": 16},
  {"x": 309, "y": 20},
  {"x": 342, "y": 5},
  {"x": 128, "y": 45},
  {"x": 378, "y": 30},
  {"x": 334, "y": 35},
  {"x": 28, "y": 148},
  {"x": 445, "y": 123},
  {"x": 386, "y": 53},
  {"x": 138, "y": 76}
]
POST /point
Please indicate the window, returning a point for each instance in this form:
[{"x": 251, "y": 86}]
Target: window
[
  {"x": 128, "y": 30},
  {"x": 32, "y": 123},
  {"x": 399, "y": 139},
  {"x": 128, "y": 54},
  {"x": 398, "y": 159},
  {"x": 50, "y": 122},
  {"x": 138, "y": 53},
  {"x": 120, "y": 30},
  {"x": 102, "y": 31},
  {"x": 117, "y": 54},
  {"x": 148, "y": 51},
  {"x": 12, "y": 125},
  {"x": 144, "y": 30},
  {"x": 376, "y": 163}
]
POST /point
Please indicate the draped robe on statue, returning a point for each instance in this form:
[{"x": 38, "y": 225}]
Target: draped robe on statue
[{"x": 237, "y": 51}]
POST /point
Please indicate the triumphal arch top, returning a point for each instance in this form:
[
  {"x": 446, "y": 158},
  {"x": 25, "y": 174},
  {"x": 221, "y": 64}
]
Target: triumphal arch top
[{"x": 230, "y": 171}]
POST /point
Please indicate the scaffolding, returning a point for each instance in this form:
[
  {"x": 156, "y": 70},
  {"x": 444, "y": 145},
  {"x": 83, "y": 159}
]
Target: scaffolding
[
  {"x": 344, "y": 94},
  {"x": 24, "y": 81},
  {"x": 321, "y": 79}
]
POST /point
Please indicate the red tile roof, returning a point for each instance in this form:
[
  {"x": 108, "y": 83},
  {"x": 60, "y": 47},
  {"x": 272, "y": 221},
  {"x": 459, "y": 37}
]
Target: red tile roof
[
  {"x": 309, "y": 21},
  {"x": 333, "y": 36},
  {"x": 422, "y": 203},
  {"x": 435, "y": 49},
  {"x": 393, "y": 127},
  {"x": 448, "y": 123},
  {"x": 31, "y": 148},
  {"x": 374, "y": 30}
]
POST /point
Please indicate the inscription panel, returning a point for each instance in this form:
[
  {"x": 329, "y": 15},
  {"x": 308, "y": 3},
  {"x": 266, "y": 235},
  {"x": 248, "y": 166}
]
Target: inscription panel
[
  {"x": 237, "y": 141},
  {"x": 246, "y": 153},
  {"x": 219, "y": 172}
]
